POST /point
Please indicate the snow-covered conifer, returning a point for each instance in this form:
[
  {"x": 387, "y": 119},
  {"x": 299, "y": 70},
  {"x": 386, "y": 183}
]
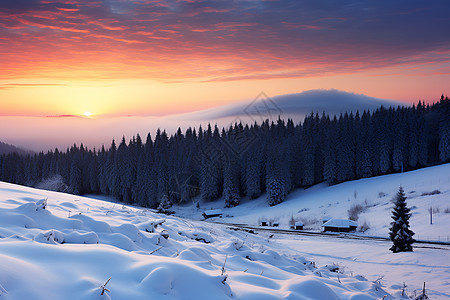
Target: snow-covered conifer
[{"x": 400, "y": 234}]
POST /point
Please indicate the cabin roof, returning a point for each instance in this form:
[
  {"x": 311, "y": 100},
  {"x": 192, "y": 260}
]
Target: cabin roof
[
  {"x": 213, "y": 212},
  {"x": 340, "y": 223}
]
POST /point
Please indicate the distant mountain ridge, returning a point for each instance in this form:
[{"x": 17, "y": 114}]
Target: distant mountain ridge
[
  {"x": 43, "y": 134},
  {"x": 7, "y": 149},
  {"x": 331, "y": 101}
]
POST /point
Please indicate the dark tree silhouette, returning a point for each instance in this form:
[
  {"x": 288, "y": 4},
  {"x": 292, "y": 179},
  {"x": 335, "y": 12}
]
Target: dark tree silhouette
[
  {"x": 246, "y": 160},
  {"x": 400, "y": 234}
]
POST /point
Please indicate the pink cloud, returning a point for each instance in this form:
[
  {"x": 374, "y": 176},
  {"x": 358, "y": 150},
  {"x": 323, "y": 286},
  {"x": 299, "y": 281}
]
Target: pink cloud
[
  {"x": 68, "y": 9},
  {"x": 182, "y": 40}
]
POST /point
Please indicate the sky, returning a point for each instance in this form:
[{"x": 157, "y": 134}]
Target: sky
[{"x": 155, "y": 58}]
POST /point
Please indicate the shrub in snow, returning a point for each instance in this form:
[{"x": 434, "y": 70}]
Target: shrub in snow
[
  {"x": 364, "y": 226},
  {"x": 150, "y": 226},
  {"x": 400, "y": 234},
  {"x": 435, "y": 192},
  {"x": 164, "y": 205},
  {"x": 355, "y": 210},
  {"x": 50, "y": 237},
  {"x": 197, "y": 235},
  {"x": 164, "y": 234},
  {"x": 54, "y": 183},
  {"x": 381, "y": 195},
  {"x": 238, "y": 244},
  {"x": 332, "y": 268},
  {"x": 423, "y": 295},
  {"x": 41, "y": 204},
  {"x": 103, "y": 287}
]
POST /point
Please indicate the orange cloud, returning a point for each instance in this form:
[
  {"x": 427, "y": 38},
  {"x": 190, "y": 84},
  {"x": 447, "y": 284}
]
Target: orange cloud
[
  {"x": 68, "y": 9},
  {"x": 190, "y": 41}
]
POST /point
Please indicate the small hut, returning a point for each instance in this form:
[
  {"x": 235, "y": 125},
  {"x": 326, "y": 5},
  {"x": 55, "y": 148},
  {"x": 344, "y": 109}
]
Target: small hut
[
  {"x": 298, "y": 226},
  {"x": 264, "y": 222},
  {"x": 276, "y": 224},
  {"x": 212, "y": 213},
  {"x": 339, "y": 225}
]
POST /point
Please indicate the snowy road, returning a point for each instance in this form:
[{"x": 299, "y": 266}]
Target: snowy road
[
  {"x": 368, "y": 256},
  {"x": 418, "y": 244}
]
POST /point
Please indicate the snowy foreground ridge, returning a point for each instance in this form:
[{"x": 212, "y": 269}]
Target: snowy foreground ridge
[
  {"x": 45, "y": 254},
  {"x": 68, "y": 246}
]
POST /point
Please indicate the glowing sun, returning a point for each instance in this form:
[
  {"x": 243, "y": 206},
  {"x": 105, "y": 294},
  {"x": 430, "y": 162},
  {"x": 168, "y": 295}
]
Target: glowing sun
[{"x": 87, "y": 114}]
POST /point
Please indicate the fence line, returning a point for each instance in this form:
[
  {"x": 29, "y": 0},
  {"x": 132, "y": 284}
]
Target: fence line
[{"x": 423, "y": 238}]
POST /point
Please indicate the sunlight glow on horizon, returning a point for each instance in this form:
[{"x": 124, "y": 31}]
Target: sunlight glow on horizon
[{"x": 64, "y": 58}]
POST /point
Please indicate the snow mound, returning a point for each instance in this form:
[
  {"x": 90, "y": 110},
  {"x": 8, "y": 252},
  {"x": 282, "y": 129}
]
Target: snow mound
[{"x": 47, "y": 252}]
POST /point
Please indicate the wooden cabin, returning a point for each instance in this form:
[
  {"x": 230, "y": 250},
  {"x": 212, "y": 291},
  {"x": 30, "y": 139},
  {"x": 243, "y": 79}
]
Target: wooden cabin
[
  {"x": 298, "y": 226},
  {"x": 212, "y": 213},
  {"x": 339, "y": 225}
]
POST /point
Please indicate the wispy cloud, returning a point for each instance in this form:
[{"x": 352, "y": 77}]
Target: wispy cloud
[
  {"x": 65, "y": 116},
  {"x": 216, "y": 40},
  {"x": 22, "y": 85}
]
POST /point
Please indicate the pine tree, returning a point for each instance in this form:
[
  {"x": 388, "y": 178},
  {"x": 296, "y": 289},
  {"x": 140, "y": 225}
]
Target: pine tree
[
  {"x": 329, "y": 154},
  {"x": 276, "y": 192},
  {"x": 276, "y": 179},
  {"x": 253, "y": 173},
  {"x": 444, "y": 142},
  {"x": 400, "y": 234},
  {"x": 230, "y": 188},
  {"x": 308, "y": 154}
]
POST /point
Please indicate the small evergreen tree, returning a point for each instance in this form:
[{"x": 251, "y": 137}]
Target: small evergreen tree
[
  {"x": 400, "y": 233},
  {"x": 164, "y": 205}
]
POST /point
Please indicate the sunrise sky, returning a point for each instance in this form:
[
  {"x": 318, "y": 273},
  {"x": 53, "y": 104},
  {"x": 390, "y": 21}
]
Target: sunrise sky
[{"x": 152, "y": 58}]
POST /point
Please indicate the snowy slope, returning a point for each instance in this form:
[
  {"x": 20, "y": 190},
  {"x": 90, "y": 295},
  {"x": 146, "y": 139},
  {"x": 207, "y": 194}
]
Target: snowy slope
[
  {"x": 375, "y": 194},
  {"x": 70, "y": 248}
]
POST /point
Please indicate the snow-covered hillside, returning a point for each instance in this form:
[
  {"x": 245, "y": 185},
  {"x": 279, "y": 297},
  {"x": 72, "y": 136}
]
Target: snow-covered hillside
[
  {"x": 424, "y": 188},
  {"x": 67, "y": 247}
]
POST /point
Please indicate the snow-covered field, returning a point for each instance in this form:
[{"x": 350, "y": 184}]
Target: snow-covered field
[
  {"x": 424, "y": 188},
  {"x": 74, "y": 245}
]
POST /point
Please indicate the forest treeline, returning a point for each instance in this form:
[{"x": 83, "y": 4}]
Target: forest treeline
[{"x": 273, "y": 157}]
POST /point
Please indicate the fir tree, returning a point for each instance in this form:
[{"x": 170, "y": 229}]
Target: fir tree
[
  {"x": 330, "y": 164},
  {"x": 444, "y": 142},
  {"x": 230, "y": 189},
  {"x": 253, "y": 174},
  {"x": 276, "y": 192},
  {"x": 400, "y": 234},
  {"x": 276, "y": 179},
  {"x": 308, "y": 157}
]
